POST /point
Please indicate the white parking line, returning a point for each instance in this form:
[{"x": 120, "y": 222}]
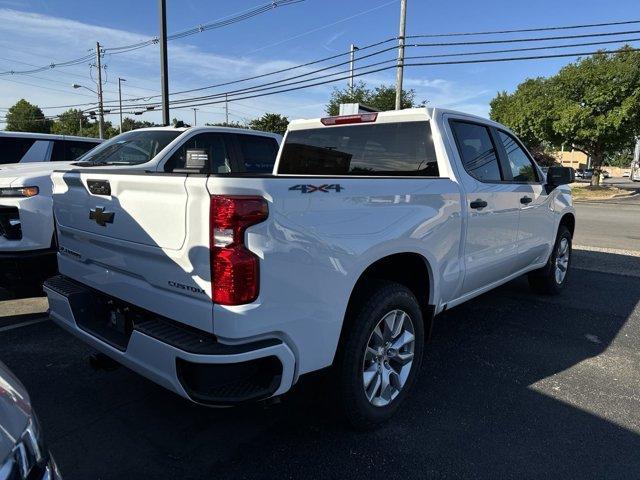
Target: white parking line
[{"x": 26, "y": 323}]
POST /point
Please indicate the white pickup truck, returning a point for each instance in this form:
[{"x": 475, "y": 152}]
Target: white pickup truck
[
  {"x": 227, "y": 288},
  {"x": 27, "y": 241}
]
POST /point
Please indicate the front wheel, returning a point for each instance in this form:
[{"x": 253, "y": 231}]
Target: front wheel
[
  {"x": 552, "y": 278},
  {"x": 382, "y": 353}
]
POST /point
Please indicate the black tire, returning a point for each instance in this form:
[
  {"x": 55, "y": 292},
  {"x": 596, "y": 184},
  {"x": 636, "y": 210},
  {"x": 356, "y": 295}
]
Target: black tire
[
  {"x": 380, "y": 299},
  {"x": 544, "y": 280}
]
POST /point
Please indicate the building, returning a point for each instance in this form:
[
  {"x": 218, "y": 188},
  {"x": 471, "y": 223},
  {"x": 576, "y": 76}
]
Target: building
[{"x": 572, "y": 158}]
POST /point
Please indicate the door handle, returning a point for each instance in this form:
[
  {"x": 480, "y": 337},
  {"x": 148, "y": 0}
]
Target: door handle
[
  {"x": 526, "y": 200},
  {"x": 477, "y": 204}
]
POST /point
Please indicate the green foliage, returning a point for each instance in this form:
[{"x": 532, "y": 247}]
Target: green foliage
[
  {"x": 68, "y": 123},
  {"x": 26, "y": 117},
  {"x": 622, "y": 158},
  {"x": 225, "y": 124},
  {"x": 270, "y": 122},
  {"x": 592, "y": 105},
  {"x": 129, "y": 123},
  {"x": 381, "y": 98}
]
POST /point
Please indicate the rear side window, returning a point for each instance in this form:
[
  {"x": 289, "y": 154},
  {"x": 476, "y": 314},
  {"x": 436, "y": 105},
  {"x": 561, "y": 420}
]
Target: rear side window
[
  {"x": 477, "y": 151},
  {"x": 385, "y": 149},
  {"x": 259, "y": 153},
  {"x": 13, "y": 149},
  {"x": 67, "y": 150},
  {"x": 521, "y": 165},
  {"x": 212, "y": 143},
  {"x": 74, "y": 150}
]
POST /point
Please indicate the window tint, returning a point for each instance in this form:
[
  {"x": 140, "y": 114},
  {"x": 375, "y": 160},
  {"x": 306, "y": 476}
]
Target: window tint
[
  {"x": 370, "y": 149},
  {"x": 131, "y": 148},
  {"x": 259, "y": 153},
  {"x": 477, "y": 151},
  {"x": 57, "y": 154},
  {"x": 74, "y": 149},
  {"x": 521, "y": 167},
  {"x": 213, "y": 143},
  {"x": 13, "y": 149},
  {"x": 67, "y": 150}
]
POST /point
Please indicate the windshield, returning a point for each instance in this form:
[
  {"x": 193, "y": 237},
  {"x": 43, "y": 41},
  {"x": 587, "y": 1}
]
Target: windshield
[{"x": 130, "y": 148}]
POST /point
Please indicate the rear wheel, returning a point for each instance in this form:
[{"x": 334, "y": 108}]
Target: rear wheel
[
  {"x": 552, "y": 278},
  {"x": 381, "y": 355}
]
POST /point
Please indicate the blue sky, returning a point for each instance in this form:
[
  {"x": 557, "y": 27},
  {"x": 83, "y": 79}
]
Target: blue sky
[{"x": 37, "y": 32}]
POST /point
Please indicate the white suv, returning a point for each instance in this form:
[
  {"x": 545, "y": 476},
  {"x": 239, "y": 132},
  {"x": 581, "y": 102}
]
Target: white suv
[{"x": 21, "y": 147}]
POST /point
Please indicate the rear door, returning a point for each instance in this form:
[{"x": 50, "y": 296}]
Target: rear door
[{"x": 493, "y": 207}]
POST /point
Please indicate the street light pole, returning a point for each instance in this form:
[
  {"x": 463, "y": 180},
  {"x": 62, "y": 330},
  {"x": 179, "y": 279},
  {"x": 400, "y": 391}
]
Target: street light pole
[
  {"x": 195, "y": 117},
  {"x": 120, "y": 80},
  {"x": 164, "y": 69},
  {"x": 226, "y": 109},
  {"x": 100, "y": 105},
  {"x": 399, "y": 70}
]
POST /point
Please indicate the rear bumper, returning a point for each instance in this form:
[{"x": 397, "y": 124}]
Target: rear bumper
[
  {"x": 187, "y": 361},
  {"x": 27, "y": 268}
]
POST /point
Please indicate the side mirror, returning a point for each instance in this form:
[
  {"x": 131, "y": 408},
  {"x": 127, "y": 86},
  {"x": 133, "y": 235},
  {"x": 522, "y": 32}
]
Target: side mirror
[
  {"x": 197, "y": 160},
  {"x": 557, "y": 176}
]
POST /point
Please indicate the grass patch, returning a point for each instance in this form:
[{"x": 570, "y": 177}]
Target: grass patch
[{"x": 602, "y": 192}]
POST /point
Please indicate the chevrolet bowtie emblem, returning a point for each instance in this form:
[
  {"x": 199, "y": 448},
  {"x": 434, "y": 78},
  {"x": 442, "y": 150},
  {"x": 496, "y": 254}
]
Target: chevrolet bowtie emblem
[{"x": 100, "y": 216}]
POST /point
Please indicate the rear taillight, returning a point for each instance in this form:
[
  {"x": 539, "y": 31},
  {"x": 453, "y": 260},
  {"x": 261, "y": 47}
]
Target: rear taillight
[{"x": 234, "y": 269}]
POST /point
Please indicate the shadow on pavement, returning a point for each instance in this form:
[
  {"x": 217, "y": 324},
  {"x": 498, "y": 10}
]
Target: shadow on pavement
[{"x": 495, "y": 399}]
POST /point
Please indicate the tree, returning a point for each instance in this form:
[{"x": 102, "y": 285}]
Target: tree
[
  {"x": 225, "y": 124},
  {"x": 270, "y": 122},
  {"x": 129, "y": 123},
  {"x": 592, "y": 105},
  {"x": 68, "y": 123},
  {"x": 26, "y": 117},
  {"x": 381, "y": 98}
]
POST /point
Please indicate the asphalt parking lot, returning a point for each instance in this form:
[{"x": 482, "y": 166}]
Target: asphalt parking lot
[{"x": 514, "y": 385}]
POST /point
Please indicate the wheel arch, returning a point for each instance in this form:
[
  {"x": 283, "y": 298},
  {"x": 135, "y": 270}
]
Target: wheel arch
[
  {"x": 410, "y": 269},
  {"x": 569, "y": 221}
]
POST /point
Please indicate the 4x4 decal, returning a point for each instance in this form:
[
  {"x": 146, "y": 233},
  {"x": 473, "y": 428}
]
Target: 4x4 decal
[{"x": 317, "y": 188}]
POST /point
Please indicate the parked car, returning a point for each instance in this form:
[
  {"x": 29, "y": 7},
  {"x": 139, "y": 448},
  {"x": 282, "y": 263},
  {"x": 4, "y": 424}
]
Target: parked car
[
  {"x": 22, "y": 147},
  {"x": 226, "y": 289},
  {"x": 27, "y": 241},
  {"x": 23, "y": 454}
]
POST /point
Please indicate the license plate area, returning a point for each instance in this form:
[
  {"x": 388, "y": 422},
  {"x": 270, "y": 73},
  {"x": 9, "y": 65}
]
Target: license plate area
[{"x": 105, "y": 318}]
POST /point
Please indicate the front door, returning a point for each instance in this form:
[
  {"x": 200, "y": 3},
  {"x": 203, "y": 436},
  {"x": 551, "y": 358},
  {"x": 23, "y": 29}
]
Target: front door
[{"x": 535, "y": 233}]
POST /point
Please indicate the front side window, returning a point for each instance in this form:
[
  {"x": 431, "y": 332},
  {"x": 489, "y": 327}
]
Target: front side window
[
  {"x": 476, "y": 149},
  {"x": 521, "y": 166},
  {"x": 212, "y": 143},
  {"x": 130, "y": 148},
  {"x": 13, "y": 149},
  {"x": 385, "y": 149}
]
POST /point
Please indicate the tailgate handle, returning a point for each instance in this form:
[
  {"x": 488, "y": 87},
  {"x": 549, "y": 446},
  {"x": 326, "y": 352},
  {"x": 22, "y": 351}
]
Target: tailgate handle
[{"x": 99, "y": 187}]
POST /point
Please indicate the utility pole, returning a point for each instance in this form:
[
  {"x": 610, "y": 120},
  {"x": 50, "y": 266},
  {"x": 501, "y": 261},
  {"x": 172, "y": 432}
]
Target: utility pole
[
  {"x": 120, "y": 80},
  {"x": 401, "y": 35},
  {"x": 352, "y": 52},
  {"x": 100, "y": 104},
  {"x": 80, "y": 123},
  {"x": 164, "y": 69},
  {"x": 195, "y": 117},
  {"x": 226, "y": 109}
]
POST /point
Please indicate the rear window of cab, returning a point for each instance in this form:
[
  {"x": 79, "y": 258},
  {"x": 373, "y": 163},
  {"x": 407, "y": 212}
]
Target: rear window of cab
[{"x": 372, "y": 149}]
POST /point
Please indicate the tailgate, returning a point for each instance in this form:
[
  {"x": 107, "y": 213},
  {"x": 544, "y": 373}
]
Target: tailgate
[
  {"x": 132, "y": 207},
  {"x": 124, "y": 234}
]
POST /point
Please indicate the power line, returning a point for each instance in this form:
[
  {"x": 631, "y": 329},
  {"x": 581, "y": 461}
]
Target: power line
[
  {"x": 126, "y": 48},
  {"x": 521, "y": 30},
  {"x": 455, "y": 62},
  {"x": 297, "y": 79}
]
